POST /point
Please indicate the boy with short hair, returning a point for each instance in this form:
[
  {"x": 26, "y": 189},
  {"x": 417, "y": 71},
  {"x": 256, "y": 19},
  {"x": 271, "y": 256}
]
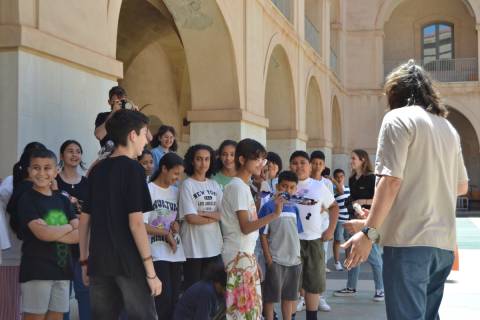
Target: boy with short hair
[
  {"x": 314, "y": 233},
  {"x": 317, "y": 162},
  {"x": 113, "y": 241},
  {"x": 342, "y": 193},
  {"x": 281, "y": 247},
  {"x": 48, "y": 225}
]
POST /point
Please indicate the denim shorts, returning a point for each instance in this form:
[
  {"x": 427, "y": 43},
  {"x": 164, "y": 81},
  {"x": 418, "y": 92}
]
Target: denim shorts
[
  {"x": 338, "y": 235},
  {"x": 40, "y": 296}
]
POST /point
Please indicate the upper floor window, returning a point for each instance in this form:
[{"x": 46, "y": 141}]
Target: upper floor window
[{"x": 437, "y": 42}]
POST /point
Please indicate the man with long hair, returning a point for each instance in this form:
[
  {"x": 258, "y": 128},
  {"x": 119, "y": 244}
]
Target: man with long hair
[{"x": 420, "y": 172}]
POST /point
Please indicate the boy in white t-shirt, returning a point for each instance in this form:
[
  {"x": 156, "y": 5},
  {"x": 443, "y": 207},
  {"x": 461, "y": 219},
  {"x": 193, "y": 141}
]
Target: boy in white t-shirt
[
  {"x": 317, "y": 161},
  {"x": 314, "y": 234}
]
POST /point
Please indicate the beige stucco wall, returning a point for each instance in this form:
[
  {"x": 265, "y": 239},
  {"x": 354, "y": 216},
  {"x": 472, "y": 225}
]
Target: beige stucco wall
[{"x": 403, "y": 31}]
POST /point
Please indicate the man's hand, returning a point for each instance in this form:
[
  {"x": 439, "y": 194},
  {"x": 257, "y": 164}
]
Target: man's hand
[
  {"x": 279, "y": 202},
  {"x": 327, "y": 235},
  {"x": 85, "y": 277},
  {"x": 354, "y": 226},
  {"x": 268, "y": 260},
  {"x": 155, "y": 286},
  {"x": 360, "y": 247},
  {"x": 174, "y": 227}
]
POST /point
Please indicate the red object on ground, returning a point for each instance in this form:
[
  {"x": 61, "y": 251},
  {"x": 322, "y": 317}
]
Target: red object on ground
[{"x": 456, "y": 262}]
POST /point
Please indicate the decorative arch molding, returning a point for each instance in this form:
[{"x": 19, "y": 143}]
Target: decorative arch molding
[
  {"x": 337, "y": 121},
  {"x": 460, "y": 107},
  {"x": 315, "y": 120},
  {"x": 203, "y": 32},
  {"x": 388, "y": 6},
  {"x": 282, "y": 83}
]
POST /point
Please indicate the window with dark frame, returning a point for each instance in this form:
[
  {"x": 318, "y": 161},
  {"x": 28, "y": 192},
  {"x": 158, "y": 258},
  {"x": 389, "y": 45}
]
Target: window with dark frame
[{"x": 437, "y": 44}]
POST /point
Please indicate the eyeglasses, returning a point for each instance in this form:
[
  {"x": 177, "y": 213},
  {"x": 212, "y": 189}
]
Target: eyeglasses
[{"x": 261, "y": 161}]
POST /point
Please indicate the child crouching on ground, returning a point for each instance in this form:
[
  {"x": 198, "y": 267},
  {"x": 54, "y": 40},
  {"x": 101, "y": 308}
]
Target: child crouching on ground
[
  {"x": 48, "y": 225},
  {"x": 281, "y": 247},
  {"x": 200, "y": 301}
]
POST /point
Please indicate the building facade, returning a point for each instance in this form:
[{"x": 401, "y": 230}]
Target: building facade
[{"x": 293, "y": 74}]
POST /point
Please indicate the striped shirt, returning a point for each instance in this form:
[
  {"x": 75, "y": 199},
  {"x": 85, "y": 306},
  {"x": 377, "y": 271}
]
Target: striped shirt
[{"x": 341, "y": 198}]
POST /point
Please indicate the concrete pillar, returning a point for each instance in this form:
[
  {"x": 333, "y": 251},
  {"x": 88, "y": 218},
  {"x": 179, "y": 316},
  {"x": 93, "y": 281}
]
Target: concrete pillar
[
  {"x": 326, "y": 31},
  {"x": 300, "y": 17},
  {"x": 213, "y": 126},
  {"x": 478, "y": 51},
  {"x": 284, "y": 142},
  {"x": 48, "y": 100}
]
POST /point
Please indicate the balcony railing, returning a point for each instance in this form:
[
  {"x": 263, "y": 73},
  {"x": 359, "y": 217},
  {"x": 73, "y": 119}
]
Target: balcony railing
[
  {"x": 333, "y": 61},
  {"x": 444, "y": 70},
  {"x": 312, "y": 34},
  {"x": 285, "y": 7}
]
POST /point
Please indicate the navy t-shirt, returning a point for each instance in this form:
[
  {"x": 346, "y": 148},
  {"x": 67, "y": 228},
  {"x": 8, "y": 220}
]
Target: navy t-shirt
[
  {"x": 42, "y": 260},
  {"x": 199, "y": 302}
]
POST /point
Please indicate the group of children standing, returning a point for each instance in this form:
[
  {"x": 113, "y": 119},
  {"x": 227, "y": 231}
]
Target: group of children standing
[{"x": 227, "y": 230}]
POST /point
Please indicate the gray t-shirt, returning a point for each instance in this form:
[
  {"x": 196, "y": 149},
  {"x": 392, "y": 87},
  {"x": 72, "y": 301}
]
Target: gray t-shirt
[
  {"x": 283, "y": 239},
  {"x": 424, "y": 151}
]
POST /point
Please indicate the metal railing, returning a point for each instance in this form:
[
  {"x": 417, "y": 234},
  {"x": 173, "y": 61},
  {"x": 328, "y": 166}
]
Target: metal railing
[
  {"x": 285, "y": 7},
  {"x": 333, "y": 61},
  {"x": 312, "y": 34},
  {"x": 444, "y": 70}
]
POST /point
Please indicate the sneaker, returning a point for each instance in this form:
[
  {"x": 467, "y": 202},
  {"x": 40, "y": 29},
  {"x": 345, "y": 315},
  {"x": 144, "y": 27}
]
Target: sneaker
[
  {"x": 327, "y": 270},
  {"x": 338, "y": 266},
  {"x": 301, "y": 304},
  {"x": 347, "y": 292},
  {"x": 379, "y": 296},
  {"x": 323, "y": 305}
]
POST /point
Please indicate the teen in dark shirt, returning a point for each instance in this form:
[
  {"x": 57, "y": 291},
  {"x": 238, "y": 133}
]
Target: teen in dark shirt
[{"x": 119, "y": 266}]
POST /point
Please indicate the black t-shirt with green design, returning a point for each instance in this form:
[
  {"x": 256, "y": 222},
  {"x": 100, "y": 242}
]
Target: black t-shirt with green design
[{"x": 42, "y": 260}]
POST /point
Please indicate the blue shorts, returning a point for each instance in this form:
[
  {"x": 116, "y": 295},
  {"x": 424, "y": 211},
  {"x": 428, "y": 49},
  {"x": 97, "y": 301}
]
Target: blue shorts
[{"x": 338, "y": 235}]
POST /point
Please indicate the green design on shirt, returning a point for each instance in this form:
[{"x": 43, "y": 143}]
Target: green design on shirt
[{"x": 57, "y": 217}]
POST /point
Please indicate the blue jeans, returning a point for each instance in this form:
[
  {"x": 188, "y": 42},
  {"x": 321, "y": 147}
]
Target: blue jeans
[
  {"x": 414, "y": 281},
  {"x": 375, "y": 261},
  {"x": 81, "y": 294}
]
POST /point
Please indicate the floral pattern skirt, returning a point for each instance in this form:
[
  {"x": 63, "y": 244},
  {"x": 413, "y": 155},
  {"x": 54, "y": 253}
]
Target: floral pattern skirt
[{"x": 244, "y": 296}]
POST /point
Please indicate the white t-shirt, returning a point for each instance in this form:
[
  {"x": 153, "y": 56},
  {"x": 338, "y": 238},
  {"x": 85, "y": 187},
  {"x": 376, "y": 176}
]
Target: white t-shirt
[
  {"x": 237, "y": 197},
  {"x": 200, "y": 241},
  {"x": 329, "y": 185},
  {"x": 165, "y": 205},
  {"x": 313, "y": 217},
  {"x": 424, "y": 151}
]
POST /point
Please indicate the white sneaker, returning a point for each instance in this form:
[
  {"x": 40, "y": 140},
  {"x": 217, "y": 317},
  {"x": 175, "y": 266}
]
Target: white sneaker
[
  {"x": 338, "y": 266},
  {"x": 323, "y": 305},
  {"x": 301, "y": 304},
  {"x": 327, "y": 270},
  {"x": 379, "y": 296}
]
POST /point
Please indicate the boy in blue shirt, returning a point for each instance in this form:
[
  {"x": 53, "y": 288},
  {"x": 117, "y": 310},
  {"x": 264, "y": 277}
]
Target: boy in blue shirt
[{"x": 281, "y": 247}]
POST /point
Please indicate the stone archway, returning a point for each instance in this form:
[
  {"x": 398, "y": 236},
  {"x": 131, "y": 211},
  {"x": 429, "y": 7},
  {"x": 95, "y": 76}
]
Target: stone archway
[
  {"x": 280, "y": 104},
  {"x": 314, "y": 120},
  {"x": 470, "y": 145},
  {"x": 174, "y": 53},
  {"x": 336, "y": 126}
]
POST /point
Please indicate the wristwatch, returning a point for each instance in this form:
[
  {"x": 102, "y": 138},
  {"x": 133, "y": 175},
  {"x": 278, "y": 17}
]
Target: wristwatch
[{"x": 371, "y": 234}]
